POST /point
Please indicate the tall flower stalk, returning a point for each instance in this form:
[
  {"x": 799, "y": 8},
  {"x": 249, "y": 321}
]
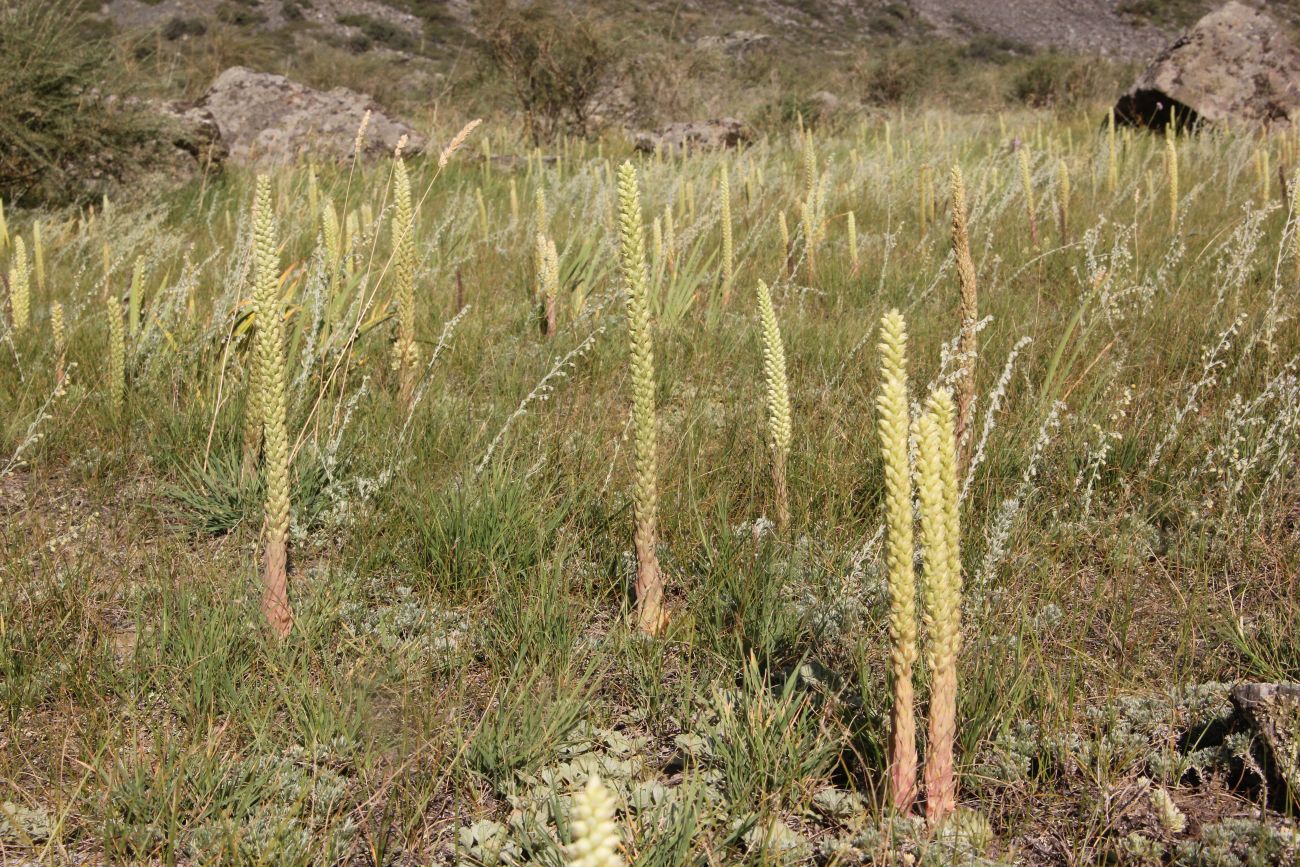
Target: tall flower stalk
[
  {"x": 649, "y": 590},
  {"x": 894, "y": 424},
  {"x": 941, "y": 593},
  {"x": 406, "y": 355},
  {"x": 269, "y": 363},
  {"x": 20, "y": 291},
  {"x": 728, "y": 250},
  {"x": 779, "y": 428},
  {"x": 968, "y": 343},
  {"x": 1027, "y": 183},
  {"x": 116, "y": 353},
  {"x": 58, "y": 332}
]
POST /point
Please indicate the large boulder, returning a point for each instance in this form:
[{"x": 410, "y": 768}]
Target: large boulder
[
  {"x": 269, "y": 118},
  {"x": 694, "y": 135},
  {"x": 1235, "y": 66}
]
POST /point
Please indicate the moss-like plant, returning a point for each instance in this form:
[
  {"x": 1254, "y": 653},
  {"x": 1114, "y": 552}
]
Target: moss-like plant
[
  {"x": 272, "y": 402},
  {"x": 779, "y": 428},
  {"x": 893, "y": 424},
  {"x": 650, "y": 614}
]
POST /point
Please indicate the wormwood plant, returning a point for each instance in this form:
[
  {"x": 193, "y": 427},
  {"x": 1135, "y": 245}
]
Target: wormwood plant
[
  {"x": 893, "y": 425},
  {"x": 778, "y": 402},
  {"x": 20, "y": 293},
  {"x": 269, "y": 364},
  {"x": 650, "y": 614}
]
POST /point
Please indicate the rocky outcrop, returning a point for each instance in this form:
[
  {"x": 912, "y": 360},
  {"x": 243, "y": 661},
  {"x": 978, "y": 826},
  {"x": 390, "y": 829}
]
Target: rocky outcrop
[
  {"x": 694, "y": 135},
  {"x": 1236, "y": 65},
  {"x": 1272, "y": 712},
  {"x": 263, "y": 117}
]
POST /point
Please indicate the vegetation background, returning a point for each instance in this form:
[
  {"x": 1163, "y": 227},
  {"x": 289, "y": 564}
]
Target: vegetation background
[{"x": 461, "y": 660}]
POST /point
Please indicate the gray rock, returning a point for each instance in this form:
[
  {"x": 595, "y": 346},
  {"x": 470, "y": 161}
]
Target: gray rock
[
  {"x": 726, "y": 132},
  {"x": 269, "y": 118},
  {"x": 1236, "y": 65},
  {"x": 737, "y": 43},
  {"x": 1273, "y": 712}
]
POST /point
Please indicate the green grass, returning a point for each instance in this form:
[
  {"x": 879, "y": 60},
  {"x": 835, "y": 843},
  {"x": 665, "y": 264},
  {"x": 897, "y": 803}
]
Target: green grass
[{"x": 462, "y": 659}]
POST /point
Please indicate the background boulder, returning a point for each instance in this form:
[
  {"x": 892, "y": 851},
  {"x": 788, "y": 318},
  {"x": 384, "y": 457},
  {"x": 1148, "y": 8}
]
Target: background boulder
[
  {"x": 1235, "y": 65},
  {"x": 269, "y": 118}
]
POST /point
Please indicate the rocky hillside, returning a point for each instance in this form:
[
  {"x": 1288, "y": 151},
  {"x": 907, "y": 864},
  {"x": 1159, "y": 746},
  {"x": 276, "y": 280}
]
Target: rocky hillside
[{"x": 1118, "y": 28}]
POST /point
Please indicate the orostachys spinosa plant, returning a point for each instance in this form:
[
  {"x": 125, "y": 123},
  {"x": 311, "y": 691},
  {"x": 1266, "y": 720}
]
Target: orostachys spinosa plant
[
  {"x": 779, "y": 426},
  {"x": 894, "y": 424},
  {"x": 595, "y": 835},
  {"x": 269, "y": 363},
  {"x": 406, "y": 355},
  {"x": 20, "y": 293},
  {"x": 941, "y": 593},
  {"x": 116, "y": 352},
  {"x": 650, "y": 614}
]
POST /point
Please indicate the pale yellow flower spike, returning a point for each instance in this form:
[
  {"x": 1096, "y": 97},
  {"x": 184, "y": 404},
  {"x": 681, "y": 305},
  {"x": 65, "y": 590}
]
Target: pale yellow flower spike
[
  {"x": 779, "y": 426},
  {"x": 272, "y": 402},
  {"x": 651, "y": 616},
  {"x": 595, "y": 835},
  {"x": 894, "y": 424},
  {"x": 940, "y": 542},
  {"x": 406, "y": 355}
]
